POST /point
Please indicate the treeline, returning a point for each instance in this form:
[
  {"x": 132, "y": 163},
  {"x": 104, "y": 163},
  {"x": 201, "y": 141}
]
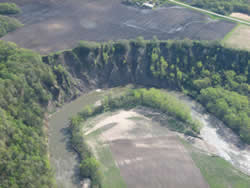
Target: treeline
[
  {"x": 89, "y": 166},
  {"x": 26, "y": 87},
  {"x": 226, "y": 80},
  {"x": 8, "y": 24},
  {"x": 9, "y": 8},
  {"x": 189, "y": 66},
  {"x": 224, "y": 7},
  {"x": 153, "y": 98},
  {"x": 230, "y": 107}
]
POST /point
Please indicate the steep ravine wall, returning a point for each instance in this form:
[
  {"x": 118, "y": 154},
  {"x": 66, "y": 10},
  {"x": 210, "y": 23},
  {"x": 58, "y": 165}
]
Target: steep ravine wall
[
  {"x": 189, "y": 66},
  {"x": 113, "y": 64},
  {"x": 29, "y": 86}
]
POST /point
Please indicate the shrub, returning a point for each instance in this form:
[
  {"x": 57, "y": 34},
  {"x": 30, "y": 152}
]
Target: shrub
[
  {"x": 8, "y": 24},
  {"x": 9, "y": 8},
  {"x": 89, "y": 168}
]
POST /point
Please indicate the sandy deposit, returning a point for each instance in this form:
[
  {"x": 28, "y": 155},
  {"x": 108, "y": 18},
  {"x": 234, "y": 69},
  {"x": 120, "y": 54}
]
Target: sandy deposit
[
  {"x": 240, "y": 15},
  {"x": 146, "y": 153},
  {"x": 118, "y": 126},
  {"x": 217, "y": 138}
]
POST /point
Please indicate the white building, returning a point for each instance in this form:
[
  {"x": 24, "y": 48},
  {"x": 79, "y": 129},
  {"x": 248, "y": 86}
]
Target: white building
[{"x": 148, "y": 5}]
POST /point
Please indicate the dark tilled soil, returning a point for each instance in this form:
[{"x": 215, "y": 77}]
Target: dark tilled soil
[
  {"x": 158, "y": 162},
  {"x": 55, "y": 25}
]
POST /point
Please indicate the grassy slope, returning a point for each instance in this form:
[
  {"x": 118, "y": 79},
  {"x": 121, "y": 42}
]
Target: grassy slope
[
  {"x": 238, "y": 38},
  {"x": 220, "y": 173},
  {"x": 111, "y": 174},
  {"x": 217, "y": 172}
]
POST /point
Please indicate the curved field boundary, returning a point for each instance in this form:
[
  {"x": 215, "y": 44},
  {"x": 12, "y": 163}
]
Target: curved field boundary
[{"x": 211, "y": 13}]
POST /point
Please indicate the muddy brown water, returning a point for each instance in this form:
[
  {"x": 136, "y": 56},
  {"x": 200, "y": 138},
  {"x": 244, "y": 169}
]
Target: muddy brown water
[{"x": 63, "y": 159}]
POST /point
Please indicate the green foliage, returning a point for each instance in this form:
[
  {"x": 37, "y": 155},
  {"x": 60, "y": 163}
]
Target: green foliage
[
  {"x": 224, "y": 7},
  {"x": 219, "y": 173},
  {"x": 24, "y": 96},
  {"x": 153, "y": 98},
  {"x": 9, "y": 8},
  {"x": 90, "y": 168},
  {"x": 8, "y": 24},
  {"x": 87, "y": 44},
  {"x": 202, "y": 83},
  {"x": 189, "y": 66},
  {"x": 217, "y": 76},
  {"x": 231, "y": 107}
]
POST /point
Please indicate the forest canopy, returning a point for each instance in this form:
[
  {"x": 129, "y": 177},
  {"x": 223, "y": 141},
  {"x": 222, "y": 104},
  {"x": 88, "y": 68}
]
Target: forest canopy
[
  {"x": 216, "y": 76},
  {"x": 189, "y": 66},
  {"x": 24, "y": 95}
]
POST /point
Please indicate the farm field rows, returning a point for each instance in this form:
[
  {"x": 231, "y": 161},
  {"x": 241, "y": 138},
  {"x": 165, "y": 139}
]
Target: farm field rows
[
  {"x": 59, "y": 25},
  {"x": 145, "y": 153}
]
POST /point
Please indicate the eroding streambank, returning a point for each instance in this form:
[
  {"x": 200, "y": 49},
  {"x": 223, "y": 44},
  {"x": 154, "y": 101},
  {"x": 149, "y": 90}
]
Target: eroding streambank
[
  {"x": 221, "y": 140},
  {"x": 217, "y": 138},
  {"x": 63, "y": 159}
]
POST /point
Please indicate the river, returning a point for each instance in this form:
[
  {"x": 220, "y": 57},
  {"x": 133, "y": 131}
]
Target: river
[
  {"x": 214, "y": 132},
  {"x": 64, "y": 160}
]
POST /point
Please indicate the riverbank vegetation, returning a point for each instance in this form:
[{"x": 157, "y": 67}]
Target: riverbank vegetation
[
  {"x": 153, "y": 98},
  {"x": 230, "y": 107},
  {"x": 216, "y": 76},
  {"x": 25, "y": 84},
  {"x": 188, "y": 66}
]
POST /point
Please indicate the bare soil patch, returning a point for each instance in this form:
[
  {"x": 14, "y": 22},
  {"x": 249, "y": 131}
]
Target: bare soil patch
[
  {"x": 156, "y": 162},
  {"x": 241, "y": 16},
  {"x": 146, "y": 153},
  {"x": 239, "y": 38},
  {"x": 105, "y": 20}
]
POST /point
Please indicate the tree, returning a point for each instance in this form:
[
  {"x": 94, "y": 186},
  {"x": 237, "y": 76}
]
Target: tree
[{"x": 89, "y": 168}]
